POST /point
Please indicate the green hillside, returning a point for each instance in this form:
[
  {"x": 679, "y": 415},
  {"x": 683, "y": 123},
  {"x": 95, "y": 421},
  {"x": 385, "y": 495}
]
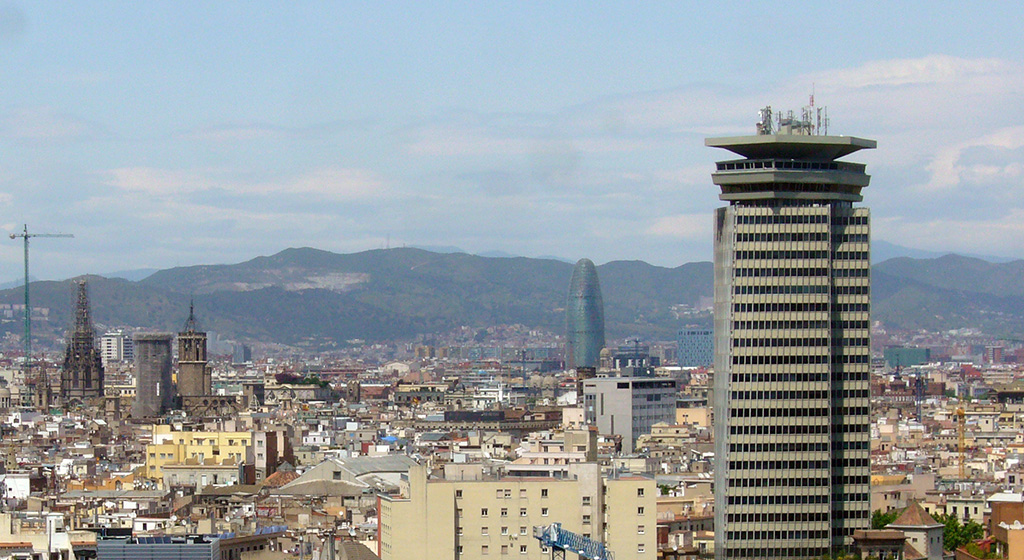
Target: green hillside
[{"x": 318, "y": 299}]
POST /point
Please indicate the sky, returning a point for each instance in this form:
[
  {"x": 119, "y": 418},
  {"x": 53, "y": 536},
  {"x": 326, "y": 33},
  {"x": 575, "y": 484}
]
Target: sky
[{"x": 167, "y": 134}]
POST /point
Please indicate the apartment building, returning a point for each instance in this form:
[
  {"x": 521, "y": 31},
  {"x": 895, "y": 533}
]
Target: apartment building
[{"x": 492, "y": 517}]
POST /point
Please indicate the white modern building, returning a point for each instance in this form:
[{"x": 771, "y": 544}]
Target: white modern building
[
  {"x": 117, "y": 346},
  {"x": 629, "y": 406}
]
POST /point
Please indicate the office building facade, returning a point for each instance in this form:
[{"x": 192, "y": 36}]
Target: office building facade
[
  {"x": 696, "y": 347},
  {"x": 629, "y": 406},
  {"x": 792, "y": 344},
  {"x": 117, "y": 346}
]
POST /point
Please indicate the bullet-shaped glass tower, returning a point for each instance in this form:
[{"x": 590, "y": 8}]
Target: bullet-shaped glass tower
[
  {"x": 584, "y": 317},
  {"x": 792, "y": 345}
]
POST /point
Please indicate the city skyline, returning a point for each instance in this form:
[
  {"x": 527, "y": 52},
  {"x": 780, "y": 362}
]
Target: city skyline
[{"x": 170, "y": 135}]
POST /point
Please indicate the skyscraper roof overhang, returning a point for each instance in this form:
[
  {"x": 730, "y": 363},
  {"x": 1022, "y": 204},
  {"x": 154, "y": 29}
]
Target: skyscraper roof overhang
[{"x": 795, "y": 146}]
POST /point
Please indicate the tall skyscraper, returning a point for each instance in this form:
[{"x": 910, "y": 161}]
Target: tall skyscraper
[
  {"x": 584, "y": 337},
  {"x": 792, "y": 302},
  {"x": 154, "y": 389},
  {"x": 82, "y": 376}
]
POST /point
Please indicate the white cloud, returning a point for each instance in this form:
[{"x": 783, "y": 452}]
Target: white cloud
[
  {"x": 328, "y": 183},
  {"x": 930, "y": 70},
  {"x": 948, "y": 172},
  {"x": 43, "y": 123},
  {"x": 163, "y": 182},
  {"x": 997, "y": 235},
  {"x": 681, "y": 226},
  {"x": 337, "y": 183}
]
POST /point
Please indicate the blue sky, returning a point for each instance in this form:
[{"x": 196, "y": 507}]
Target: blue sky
[{"x": 178, "y": 133}]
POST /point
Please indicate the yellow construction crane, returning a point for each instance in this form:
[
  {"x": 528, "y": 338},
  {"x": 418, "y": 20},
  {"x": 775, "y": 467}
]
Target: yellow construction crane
[{"x": 961, "y": 427}]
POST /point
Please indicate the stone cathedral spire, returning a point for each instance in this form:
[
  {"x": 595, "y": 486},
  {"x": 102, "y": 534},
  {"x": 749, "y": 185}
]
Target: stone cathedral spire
[{"x": 82, "y": 376}]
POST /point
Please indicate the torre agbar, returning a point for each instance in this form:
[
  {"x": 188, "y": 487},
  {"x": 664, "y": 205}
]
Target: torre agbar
[{"x": 792, "y": 345}]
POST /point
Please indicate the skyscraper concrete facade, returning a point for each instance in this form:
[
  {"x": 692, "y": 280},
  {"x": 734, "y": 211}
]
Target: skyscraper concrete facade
[
  {"x": 792, "y": 303},
  {"x": 584, "y": 337}
]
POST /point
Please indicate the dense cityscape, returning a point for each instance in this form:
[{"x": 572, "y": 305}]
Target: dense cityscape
[
  {"x": 791, "y": 427},
  {"x": 511, "y": 280}
]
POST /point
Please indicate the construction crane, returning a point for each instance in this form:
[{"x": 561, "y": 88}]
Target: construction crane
[
  {"x": 560, "y": 540},
  {"x": 25, "y": 235},
  {"x": 961, "y": 427}
]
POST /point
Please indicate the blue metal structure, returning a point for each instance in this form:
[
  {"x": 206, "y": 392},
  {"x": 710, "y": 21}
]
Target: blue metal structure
[{"x": 560, "y": 540}]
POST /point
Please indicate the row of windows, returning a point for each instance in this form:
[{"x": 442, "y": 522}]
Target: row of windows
[
  {"x": 861, "y": 462},
  {"x": 783, "y": 254},
  {"x": 797, "y": 342},
  {"x": 506, "y": 493},
  {"x": 797, "y": 237},
  {"x": 853, "y": 238},
  {"x": 786, "y": 429},
  {"x": 777, "y": 360},
  {"x": 850, "y": 255},
  {"x": 777, "y": 430},
  {"x": 788, "y": 481},
  {"x": 837, "y": 376},
  {"x": 775, "y": 289},
  {"x": 851, "y": 220},
  {"x": 856, "y": 497},
  {"x": 777, "y": 412},
  {"x": 791, "y": 360},
  {"x": 763, "y": 465},
  {"x": 504, "y": 512},
  {"x": 769, "y": 500},
  {"x": 862, "y": 445},
  {"x": 775, "y": 517},
  {"x": 777, "y": 377},
  {"x": 782, "y": 324},
  {"x": 850, "y": 514},
  {"x": 776, "y": 535},
  {"x": 782, "y": 219},
  {"x": 777, "y": 395},
  {"x": 776, "y": 552},
  {"x": 850, "y": 410},
  {"x": 851, "y": 290},
  {"x": 840, "y": 479},
  {"x": 762, "y": 272},
  {"x": 788, "y": 236},
  {"x": 780, "y": 307}
]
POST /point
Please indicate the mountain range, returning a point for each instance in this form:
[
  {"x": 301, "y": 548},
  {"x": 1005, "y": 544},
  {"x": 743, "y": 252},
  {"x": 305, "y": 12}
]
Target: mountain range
[{"x": 318, "y": 299}]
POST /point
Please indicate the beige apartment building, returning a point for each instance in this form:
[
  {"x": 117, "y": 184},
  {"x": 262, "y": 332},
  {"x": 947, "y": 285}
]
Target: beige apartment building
[
  {"x": 171, "y": 447},
  {"x": 493, "y": 518}
]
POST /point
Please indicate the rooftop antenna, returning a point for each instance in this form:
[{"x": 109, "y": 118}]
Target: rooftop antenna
[
  {"x": 25, "y": 235},
  {"x": 765, "y": 125}
]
